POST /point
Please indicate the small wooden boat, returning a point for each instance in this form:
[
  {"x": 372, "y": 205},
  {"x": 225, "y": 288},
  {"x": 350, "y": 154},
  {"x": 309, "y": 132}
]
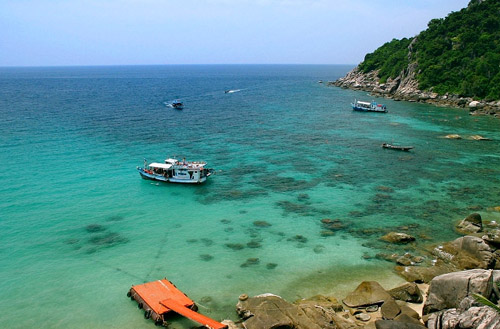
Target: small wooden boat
[
  {"x": 396, "y": 147},
  {"x": 161, "y": 297}
]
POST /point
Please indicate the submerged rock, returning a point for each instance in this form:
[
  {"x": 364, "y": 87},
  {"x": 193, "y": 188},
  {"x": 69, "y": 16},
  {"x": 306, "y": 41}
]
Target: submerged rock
[
  {"x": 271, "y": 266},
  {"x": 107, "y": 240},
  {"x": 250, "y": 262},
  {"x": 298, "y": 238},
  {"x": 261, "y": 223},
  {"x": 95, "y": 228},
  {"x": 235, "y": 246},
  {"x": 395, "y": 237},
  {"x": 254, "y": 244},
  {"x": 206, "y": 257}
]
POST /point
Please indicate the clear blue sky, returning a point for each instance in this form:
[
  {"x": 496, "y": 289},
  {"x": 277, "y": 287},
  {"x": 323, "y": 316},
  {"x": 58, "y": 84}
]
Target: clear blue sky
[{"x": 118, "y": 32}]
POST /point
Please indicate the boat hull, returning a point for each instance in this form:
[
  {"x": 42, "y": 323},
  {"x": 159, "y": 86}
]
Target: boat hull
[
  {"x": 161, "y": 178},
  {"x": 361, "y": 109},
  {"x": 397, "y": 147}
]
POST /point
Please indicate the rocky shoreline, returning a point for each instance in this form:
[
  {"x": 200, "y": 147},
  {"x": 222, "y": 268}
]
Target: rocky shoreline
[
  {"x": 439, "y": 294},
  {"x": 405, "y": 88}
]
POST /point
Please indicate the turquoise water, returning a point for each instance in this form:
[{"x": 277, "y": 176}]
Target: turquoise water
[{"x": 79, "y": 227}]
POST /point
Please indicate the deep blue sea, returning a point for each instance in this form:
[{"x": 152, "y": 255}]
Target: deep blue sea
[{"x": 78, "y": 226}]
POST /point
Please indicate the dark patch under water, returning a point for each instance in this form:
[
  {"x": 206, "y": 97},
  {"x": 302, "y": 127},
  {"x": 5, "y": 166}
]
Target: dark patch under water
[{"x": 300, "y": 209}]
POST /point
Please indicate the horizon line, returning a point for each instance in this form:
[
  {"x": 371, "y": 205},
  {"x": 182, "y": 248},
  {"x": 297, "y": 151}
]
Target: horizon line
[{"x": 192, "y": 64}]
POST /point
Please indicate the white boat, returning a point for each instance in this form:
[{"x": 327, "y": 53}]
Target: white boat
[
  {"x": 368, "y": 107},
  {"x": 175, "y": 171}
]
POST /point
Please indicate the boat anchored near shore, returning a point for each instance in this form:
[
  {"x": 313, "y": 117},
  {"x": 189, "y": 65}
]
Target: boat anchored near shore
[
  {"x": 368, "y": 107},
  {"x": 175, "y": 171}
]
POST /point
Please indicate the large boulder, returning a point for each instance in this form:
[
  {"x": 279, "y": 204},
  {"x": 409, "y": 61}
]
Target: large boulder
[
  {"x": 482, "y": 317},
  {"x": 449, "y": 290},
  {"x": 467, "y": 252},
  {"x": 269, "y": 311},
  {"x": 408, "y": 292},
  {"x": 367, "y": 293},
  {"x": 424, "y": 274},
  {"x": 329, "y": 303},
  {"x": 471, "y": 224}
]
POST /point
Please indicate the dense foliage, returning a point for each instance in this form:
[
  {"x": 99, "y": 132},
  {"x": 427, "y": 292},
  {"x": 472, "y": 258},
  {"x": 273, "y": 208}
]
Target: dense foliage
[
  {"x": 459, "y": 54},
  {"x": 390, "y": 59}
]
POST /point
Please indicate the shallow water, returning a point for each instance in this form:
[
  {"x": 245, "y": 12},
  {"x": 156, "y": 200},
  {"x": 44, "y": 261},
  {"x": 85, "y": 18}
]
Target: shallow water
[{"x": 79, "y": 226}]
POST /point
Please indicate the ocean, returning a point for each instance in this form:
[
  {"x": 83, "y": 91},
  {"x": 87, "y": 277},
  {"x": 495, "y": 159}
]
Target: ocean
[{"x": 79, "y": 227}]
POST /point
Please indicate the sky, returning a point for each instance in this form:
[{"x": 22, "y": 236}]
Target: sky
[{"x": 146, "y": 32}]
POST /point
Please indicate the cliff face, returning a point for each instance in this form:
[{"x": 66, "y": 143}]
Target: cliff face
[{"x": 445, "y": 65}]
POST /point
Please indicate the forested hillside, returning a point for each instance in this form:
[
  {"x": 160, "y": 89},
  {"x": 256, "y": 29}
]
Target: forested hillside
[{"x": 459, "y": 54}]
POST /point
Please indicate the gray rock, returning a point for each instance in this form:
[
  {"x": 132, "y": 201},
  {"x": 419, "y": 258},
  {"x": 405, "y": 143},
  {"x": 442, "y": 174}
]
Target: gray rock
[
  {"x": 421, "y": 274},
  {"x": 367, "y": 293},
  {"x": 482, "y": 317},
  {"x": 448, "y": 290},
  {"x": 391, "y": 324},
  {"x": 390, "y": 309},
  {"x": 408, "y": 292},
  {"x": 270, "y": 311},
  {"x": 363, "y": 317}
]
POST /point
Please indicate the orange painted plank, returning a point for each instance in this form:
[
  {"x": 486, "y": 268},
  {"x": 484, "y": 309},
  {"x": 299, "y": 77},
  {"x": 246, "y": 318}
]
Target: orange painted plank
[
  {"x": 154, "y": 292},
  {"x": 190, "y": 314}
]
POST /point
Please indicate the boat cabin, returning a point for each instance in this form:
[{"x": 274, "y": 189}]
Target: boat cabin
[{"x": 176, "y": 171}]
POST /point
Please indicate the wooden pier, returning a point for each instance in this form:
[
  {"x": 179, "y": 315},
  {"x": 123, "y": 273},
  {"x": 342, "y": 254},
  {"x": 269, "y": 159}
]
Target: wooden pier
[{"x": 158, "y": 298}]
